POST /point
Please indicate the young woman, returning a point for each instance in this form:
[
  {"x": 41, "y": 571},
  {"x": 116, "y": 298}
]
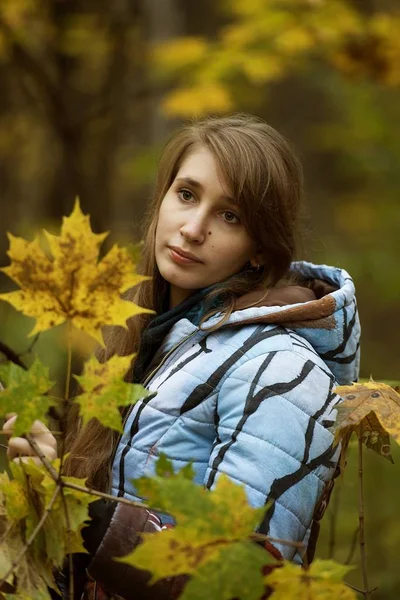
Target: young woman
[{"x": 242, "y": 356}]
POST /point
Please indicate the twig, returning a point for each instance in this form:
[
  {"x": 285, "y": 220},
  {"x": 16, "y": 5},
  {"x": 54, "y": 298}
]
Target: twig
[
  {"x": 11, "y": 355},
  {"x": 361, "y": 516},
  {"x": 352, "y": 546},
  {"x": 358, "y": 590},
  {"x": 66, "y": 393},
  {"x": 262, "y": 537},
  {"x": 63, "y": 416},
  {"x": 31, "y": 345},
  {"x": 47, "y": 464},
  {"x": 32, "y": 536}
]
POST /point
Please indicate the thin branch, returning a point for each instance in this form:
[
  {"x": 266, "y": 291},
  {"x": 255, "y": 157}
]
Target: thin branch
[
  {"x": 262, "y": 537},
  {"x": 359, "y": 590},
  {"x": 31, "y": 346},
  {"x": 11, "y": 355},
  {"x": 361, "y": 516},
  {"x": 64, "y": 409},
  {"x": 69, "y": 361},
  {"x": 47, "y": 464},
  {"x": 34, "y": 533}
]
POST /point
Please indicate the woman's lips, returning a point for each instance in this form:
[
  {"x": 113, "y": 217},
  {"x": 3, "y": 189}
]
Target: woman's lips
[{"x": 181, "y": 260}]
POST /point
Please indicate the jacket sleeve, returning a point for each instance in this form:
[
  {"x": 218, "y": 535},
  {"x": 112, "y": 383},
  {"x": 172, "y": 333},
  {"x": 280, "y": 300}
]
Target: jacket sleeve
[
  {"x": 122, "y": 537},
  {"x": 272, "y": 416}
]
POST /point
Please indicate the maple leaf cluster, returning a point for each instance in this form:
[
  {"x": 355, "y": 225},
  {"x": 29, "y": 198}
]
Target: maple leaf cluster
[
  {"x": 71, "y": 284},
  {"x": 24, "y": 499}
]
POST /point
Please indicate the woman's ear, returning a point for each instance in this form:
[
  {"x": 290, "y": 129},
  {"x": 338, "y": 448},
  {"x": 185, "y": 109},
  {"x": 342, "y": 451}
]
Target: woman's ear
[{"x": 257, "y": 260}]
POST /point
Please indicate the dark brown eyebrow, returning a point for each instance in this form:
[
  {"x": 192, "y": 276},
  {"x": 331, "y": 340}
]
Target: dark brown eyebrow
[{"x": 196, "y": 184}]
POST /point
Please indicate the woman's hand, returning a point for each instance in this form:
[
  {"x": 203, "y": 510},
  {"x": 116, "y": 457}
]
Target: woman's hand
[{"x": 19, "y": 449}]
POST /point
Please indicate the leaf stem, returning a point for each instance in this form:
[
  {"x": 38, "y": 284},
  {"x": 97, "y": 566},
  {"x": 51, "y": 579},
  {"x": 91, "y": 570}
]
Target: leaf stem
[
  {"x": 66, "y": 394},
  {"x": 34, "y": 533},
  {"x": 361, "y": 517},
  {"x": 69, "y": 360},
  {"x": 70, "y": 556}
]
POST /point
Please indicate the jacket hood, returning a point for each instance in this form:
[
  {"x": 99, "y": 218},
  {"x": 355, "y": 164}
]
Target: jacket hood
[{"x": 322, "y": 308}]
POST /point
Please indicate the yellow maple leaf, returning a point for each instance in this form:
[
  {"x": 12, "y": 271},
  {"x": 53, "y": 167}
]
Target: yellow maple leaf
[
  {"x": 372, "y": 411},
  {"x": 323, "y": 581},
  {"x": 72, "y": 284}
]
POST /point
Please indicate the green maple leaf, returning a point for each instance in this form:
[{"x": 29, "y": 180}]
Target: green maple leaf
[
  {"x": 322, "y": 581},
  {"x": 165, "y": 468},
  {"x": 104, "y": 390},
  {"x": 223, "y": 511},
  {"x": 185, "y": 500},
  {"x": 235, "y": 573},
  {"x": 25, "y": 394}
]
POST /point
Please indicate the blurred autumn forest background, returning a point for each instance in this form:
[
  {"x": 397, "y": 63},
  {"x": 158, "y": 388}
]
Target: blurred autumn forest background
[{"x": 91, "y": 89}]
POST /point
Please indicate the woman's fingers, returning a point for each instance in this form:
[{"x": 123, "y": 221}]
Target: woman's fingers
[
  {"x": 43, "y": 435},
  {"x": 8, "y": 426},
  {"x": 39, "y": 432},
  {"x": 18, "y": 446},
  {"x": 20, "y": 449}
]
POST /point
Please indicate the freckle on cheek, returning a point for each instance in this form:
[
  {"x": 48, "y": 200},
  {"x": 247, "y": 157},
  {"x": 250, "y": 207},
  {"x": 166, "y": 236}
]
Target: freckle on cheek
[{"x": 209, "y": 233}]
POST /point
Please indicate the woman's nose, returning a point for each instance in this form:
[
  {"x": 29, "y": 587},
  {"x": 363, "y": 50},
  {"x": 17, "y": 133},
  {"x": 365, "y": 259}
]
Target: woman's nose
[{"x": 194, "y": 230}]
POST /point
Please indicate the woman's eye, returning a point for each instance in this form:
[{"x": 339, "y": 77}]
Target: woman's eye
[
  {"x": 185, "y": 195},
  {"x": 230, "y": 217}
]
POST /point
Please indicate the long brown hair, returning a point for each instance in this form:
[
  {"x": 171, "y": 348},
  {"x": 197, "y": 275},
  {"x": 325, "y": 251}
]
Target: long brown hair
[{"x": 265, "y": 178}]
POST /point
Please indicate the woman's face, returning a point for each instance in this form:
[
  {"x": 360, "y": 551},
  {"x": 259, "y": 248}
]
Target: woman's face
[{"x": 197, "y": 217}]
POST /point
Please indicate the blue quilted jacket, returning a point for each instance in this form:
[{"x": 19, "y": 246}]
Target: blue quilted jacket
[{"x": 253, "y": 400}]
